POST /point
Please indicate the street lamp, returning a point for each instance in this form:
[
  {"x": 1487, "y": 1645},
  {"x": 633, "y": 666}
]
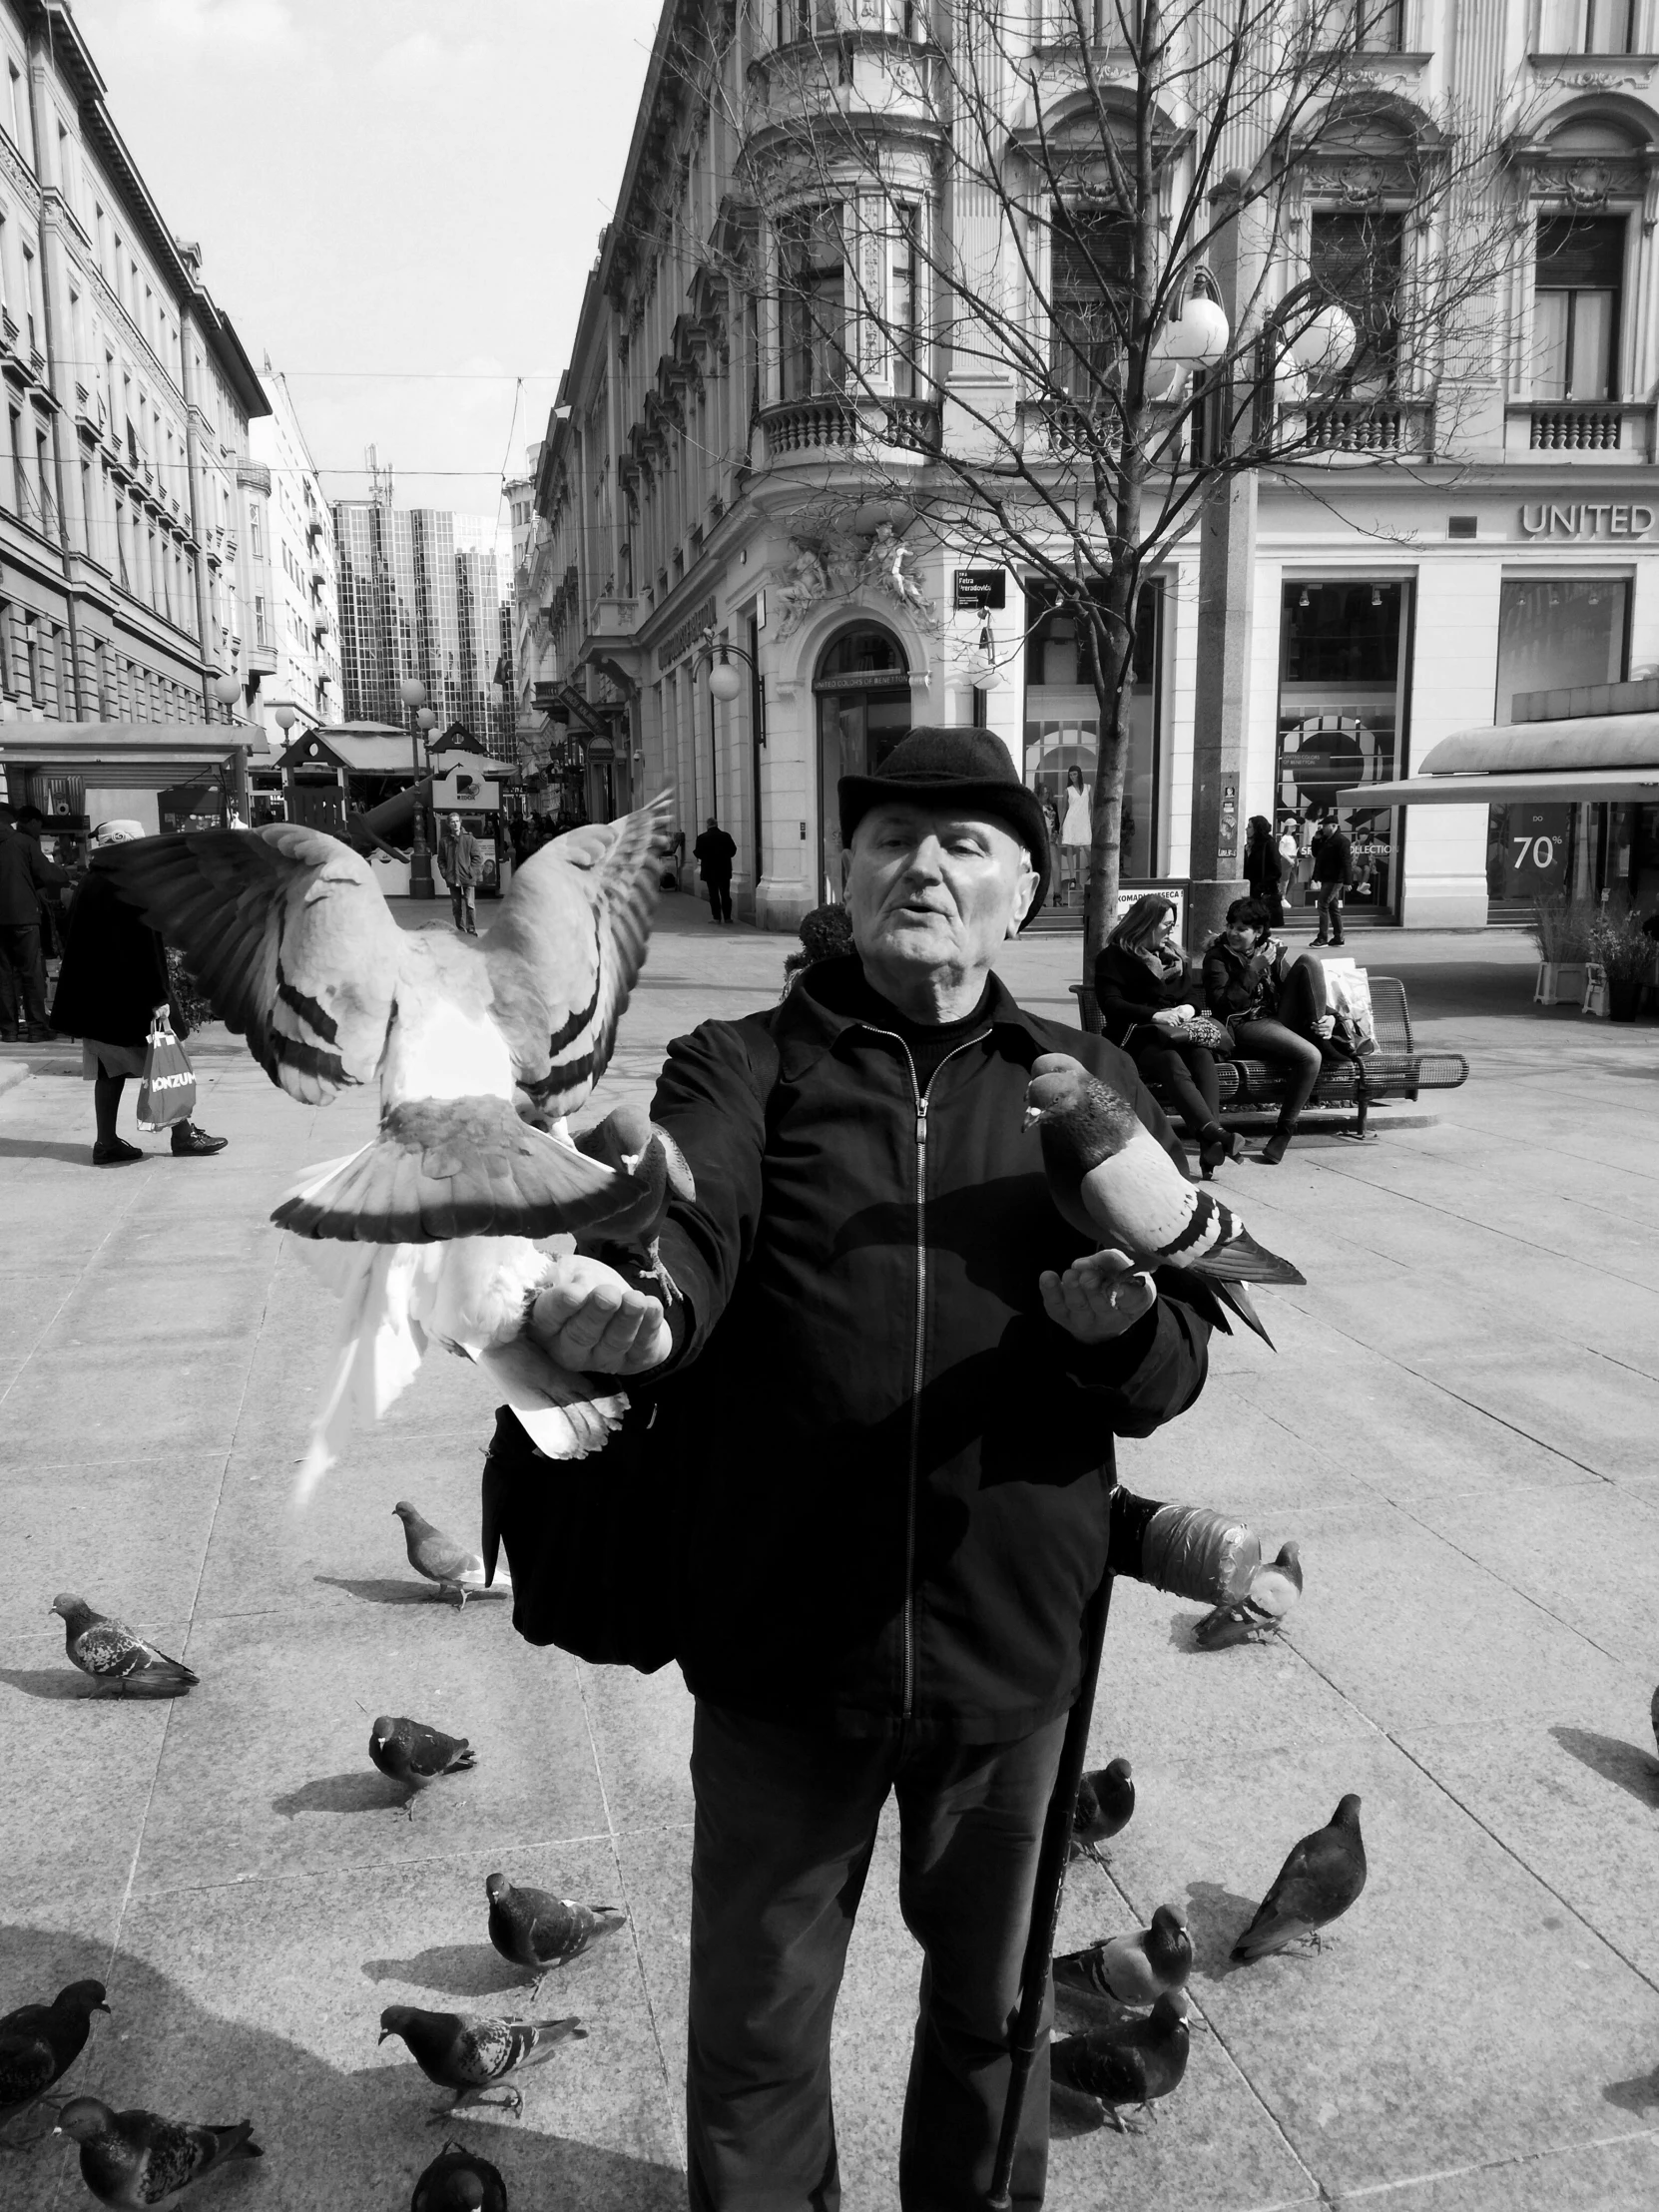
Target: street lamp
[
  {"x": 412, "y": 692},
  {"x": 725, "y": 684},
  {"x": 227, "y": 689}
]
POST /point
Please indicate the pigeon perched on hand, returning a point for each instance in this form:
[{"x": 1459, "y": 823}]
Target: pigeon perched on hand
[
  {"x": 109, "y": 1652},
  {"x": 538, "y": 1932},
  {"x": 1130, "y": 2062},
  {"x": 1114, "y": 1183},
  {"x": 632, "y": 1143},
  {"x": 466, "y": 2054},
  {"x": 1133, "y": 1970},
  {"x": 1316, "y": 1885},
  {"x": 458, "y": 2180},
  {"x": 1274, "y": 1589},
  {"x": 442, "y": 1559},
  {"x": 40, "y": 2043},
  {"x": 1105, "y": 1802},
  {"x": 417, "y": 1756},
  {"x": 139, "y": 2159}
]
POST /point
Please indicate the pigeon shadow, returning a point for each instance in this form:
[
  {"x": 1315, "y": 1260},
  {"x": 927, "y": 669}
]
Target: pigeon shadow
[
  {"x": 48, "y": 1682},
  {"x": 1636, "y": 2094},
  {"x": 458, "y": 1970},
  {"x": 363, "y": 1790},
  {"x": 1215, "y": 1919},
  {"x": 1613, "y": 1759},
  {"x": 383, "y": 1591}
]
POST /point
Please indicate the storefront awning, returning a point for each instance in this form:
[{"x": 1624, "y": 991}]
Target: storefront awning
[
  {"x": 1588, "y": 757},
  {"x": 1626, "y": 787}
]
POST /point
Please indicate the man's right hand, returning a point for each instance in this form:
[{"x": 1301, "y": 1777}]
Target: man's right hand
[{"x": 591, "y": 1320}]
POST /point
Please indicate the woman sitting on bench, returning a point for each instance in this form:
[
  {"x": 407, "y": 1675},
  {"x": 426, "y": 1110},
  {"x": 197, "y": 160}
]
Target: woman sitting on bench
[
  {"x": 1146, "y": 990},
  {"x": 1275, "y": 1008}
]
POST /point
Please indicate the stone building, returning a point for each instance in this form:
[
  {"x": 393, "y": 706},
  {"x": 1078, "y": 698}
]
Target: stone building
[{"x": 289, "y": 589}]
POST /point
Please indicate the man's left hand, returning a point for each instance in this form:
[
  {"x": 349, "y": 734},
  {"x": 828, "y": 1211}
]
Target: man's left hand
[{"x": 1098, "y": 1298}]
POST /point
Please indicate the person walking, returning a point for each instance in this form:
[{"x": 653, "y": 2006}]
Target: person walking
[
  {"x": 25, "y": 873},
  {"x": 1146, "y": 990},
  {"x": 462, "y": 860},
  {"x": 714, "y": 854},
  {"x": 887, "y": 1391},
  {"x": 1333, "y": 865},
  {"x": 1275, "y": 1006},
  {"x": 113, "y": 980},
  {"x": 1076, "y": 831},
  {"x": 1264, "y": 869}
]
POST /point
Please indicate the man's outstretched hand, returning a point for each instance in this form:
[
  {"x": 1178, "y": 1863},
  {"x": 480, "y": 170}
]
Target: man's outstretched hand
[
  {"x": 592, "y": 1320},
  {"x": 1098, "y": 1298}
]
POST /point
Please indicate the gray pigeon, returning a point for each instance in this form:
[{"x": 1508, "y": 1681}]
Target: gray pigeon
[
  {"x": 1274, "y": 1589},
  {"x": 466, "y": 2054},
  {"x": 1131, "y": 1970},
  {"x": 1134, "y": 2061},
  {"x": 109, "y": 1652},
  {"x": 1105, "y": 1805},
  {"x": 443, "y": 1559},
  {"x": 1316, "y": 1885},
  {"x": 459, "y": 2181},
  {"x": 408, "y": 1752},
  {"x": 139, "y": 2159},
  {"x": 536, "y": 1931},
  {"x": 40, "y": 2043},
  {"x": 629, "y": 1141}
]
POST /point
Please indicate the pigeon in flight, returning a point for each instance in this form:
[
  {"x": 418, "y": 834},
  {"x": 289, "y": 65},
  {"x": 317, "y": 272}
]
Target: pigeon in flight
[
  {"x": 629, "y": 1141},
  {"x": 1132, "y": 2061},
  {"x": 538, "y": 1932},
  {"x": 1133, "y": 1970},
  {"x": 139, "y": 2159},
  {"x": 1274, "y": 1589},
  {"x": 109, "y": 1652},
  {"x": 1105, "y": 1802},
  {"x": 410, "y": 1751},
  {"x": 1113, "y": 1182},
  {"x": 458, "y": 2180},
  {"x": 1316, "y": 1885},
  {"x": 467, "y": 2054},
  {"x": 442, "y": 1559},
  {"x": 40, "y": 2043}
]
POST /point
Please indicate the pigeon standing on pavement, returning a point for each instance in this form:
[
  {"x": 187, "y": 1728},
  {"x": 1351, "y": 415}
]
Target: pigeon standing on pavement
[
  {"x": 1131, "y": 2063},
  {"x": 410, "y": 1752},
  {"x": 139, "y": 2159},
  {"x": 467, "y": 2054},
  {"x": 1274, "y": 1589},
  {"x": 442, "y": 1559},
  {"x": 458, "y": 2180},
  {"x": 1133, "y": 1970},
  {"x": 40, "y": 2043},
  {"x": 1105, "y": 1802},
  {"x": 109, "y": 1652},
  {"x": 538, "y": 1932},
  {"x": 629, "y": 1141},
  {"x": 1113, "y": 1182},
  {"x": 1316, "y": 1885}
]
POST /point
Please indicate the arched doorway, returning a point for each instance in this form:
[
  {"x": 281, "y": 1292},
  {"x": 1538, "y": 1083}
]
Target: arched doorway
[{"x": 862, "y": 687}]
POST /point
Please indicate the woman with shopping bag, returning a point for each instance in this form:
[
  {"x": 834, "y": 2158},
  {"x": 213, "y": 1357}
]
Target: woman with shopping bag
[{"x": 114, "y": 994}]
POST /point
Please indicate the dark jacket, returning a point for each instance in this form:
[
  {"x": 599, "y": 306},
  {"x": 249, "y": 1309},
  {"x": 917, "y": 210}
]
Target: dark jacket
[
  {"x": 1233, "y": 988},
  {"x": 1332, "y": 856},
  {"x": 1129, "y": 994},
  {"x": 714, "y": 853},
  {"x": 114, "y": 971},
  {"x": 25, "y": 871},
  {"x": 894, "y": 1468},
  {"x": 1264, "y": 869}
]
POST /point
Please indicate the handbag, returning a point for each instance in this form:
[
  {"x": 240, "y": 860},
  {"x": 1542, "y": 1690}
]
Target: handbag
[
  {"x": 1204, "y": 1029},
  {"x": 167, "y": 1091}
]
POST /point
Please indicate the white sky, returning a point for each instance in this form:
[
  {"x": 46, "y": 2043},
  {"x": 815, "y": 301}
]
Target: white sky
[{"x": 389, "y": 186}]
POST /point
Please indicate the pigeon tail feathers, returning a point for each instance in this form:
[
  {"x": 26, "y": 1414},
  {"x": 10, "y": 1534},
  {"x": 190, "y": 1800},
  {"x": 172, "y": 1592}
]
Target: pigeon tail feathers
[
  {"x": 1242, "y": 1259},
  {"x": 1237, "y": 1301}
]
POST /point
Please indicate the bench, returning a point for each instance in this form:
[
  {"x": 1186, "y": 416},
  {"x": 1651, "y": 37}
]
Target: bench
[{"x": 1399, "y": 1068}]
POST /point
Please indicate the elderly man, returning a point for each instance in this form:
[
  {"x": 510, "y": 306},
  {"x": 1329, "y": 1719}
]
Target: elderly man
[{"x": 892, "y": 1387}]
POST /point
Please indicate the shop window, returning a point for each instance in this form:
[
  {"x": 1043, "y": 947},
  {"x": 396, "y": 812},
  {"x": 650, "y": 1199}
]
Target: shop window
[
  {"x": 1577, "y": 287},
  {"x": 812, "y": 303},
  {"x": 1342, "y": 671},
  {"x": 1586, "y": 26},
  {"x": 1091, "y": 249},
  {"x": 1355, "y": 260},
  {"x": 862, "y": 687},
  {"x": 1062, "y": 717}
]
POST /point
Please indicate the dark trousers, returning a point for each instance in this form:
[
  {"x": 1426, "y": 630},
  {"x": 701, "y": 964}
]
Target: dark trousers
[
  {"x": 1327, "y": 902},
  {"x": 720, "y": 896},
  {"x": 1185, "y": 1073},
  {"x": 1289, "y": 1033},
  {"x": 786, "y": 1825},
  {"x": 22, "y": 975}
]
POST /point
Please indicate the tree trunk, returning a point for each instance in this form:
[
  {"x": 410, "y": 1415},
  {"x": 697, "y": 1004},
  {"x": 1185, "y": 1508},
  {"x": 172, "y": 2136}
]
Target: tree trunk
[{"x": 1114, "y": 658}]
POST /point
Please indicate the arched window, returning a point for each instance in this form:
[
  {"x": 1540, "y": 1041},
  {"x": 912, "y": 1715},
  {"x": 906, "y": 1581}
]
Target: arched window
[{"x": 862, "y": 687}]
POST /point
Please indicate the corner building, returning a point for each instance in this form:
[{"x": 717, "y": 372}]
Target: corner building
[{"x": 705, "y": 473}]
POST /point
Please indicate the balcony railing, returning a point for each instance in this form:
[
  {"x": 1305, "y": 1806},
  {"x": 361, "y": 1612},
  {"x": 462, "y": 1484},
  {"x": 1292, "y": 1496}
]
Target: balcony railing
[
  {"x": 1068, "y": 427},
  {"x": 1361, "y": 426},
  {"x": 1580, "y": 427},
  {"x": 832, "y": 422}
]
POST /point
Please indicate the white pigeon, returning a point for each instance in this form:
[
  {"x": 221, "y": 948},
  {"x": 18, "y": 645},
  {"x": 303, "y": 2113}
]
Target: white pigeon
[{"x": 1260, "y": 1612}]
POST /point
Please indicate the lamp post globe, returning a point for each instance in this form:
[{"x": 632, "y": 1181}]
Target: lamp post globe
[
  {"x": 725, "y": 684},
  {"x": 226, "y": 691},
  {"x": 285, "y": 717},
  {"x": 427, "y": 719},
  {"x": 1325, "y": 342},
  {"x": 412, "y": 692}
]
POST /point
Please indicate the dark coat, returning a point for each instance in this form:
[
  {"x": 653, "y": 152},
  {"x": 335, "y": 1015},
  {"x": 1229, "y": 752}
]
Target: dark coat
[
  {"x": 1332, "y": 856},
  {"x": 1264, "y": 869},
  {"x": 894, "y": 1467},
  {"x": 1129, "y": 994},
  {"x": 25, "y": 871},
  {"x": 714, "y": 853},
  {"x": 114, "y": 971},
  {"x": 1234, "y": 987}
]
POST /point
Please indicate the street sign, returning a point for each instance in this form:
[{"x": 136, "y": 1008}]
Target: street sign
[
  {"x": 978, "y": 589},
  {"x": 1175, "y": 890}
]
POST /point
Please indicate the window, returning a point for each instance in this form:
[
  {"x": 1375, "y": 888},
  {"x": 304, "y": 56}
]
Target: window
[
  {"x": 1586, "y": 27},
  {"x": 805, "y": 19},
  {"x": 1577, "y": 286},
  {"x": 66, "y": 163},
  {"x": 1367, "y": 26},
  {"x": 31, "y": 656},
  {"x": 1089, "y": 286},
  {"x": 258, "y": 622},
  {"x": 98, "y": 222},
  {"x": 16, "y": 112},
  {"x": 1355, "y": 260},
  {"x": 43, "y": 476},
  {"x": 902, "y": 329},
  {"x": 812, "y": 303},
  {"x": 31, "y": 299},
  {"x": 20, "y": 495}
]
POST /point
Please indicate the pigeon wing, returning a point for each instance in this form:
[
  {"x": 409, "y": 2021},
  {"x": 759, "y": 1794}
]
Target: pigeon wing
[
  {"x": 286, "y": 930},
  {"x": 28, "y": 2063},
  {"x": 432, "y": 1752},
  {"x": 443, "y": 1558}
]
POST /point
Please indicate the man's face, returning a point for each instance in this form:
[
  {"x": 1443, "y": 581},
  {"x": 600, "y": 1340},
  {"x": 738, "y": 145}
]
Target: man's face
[{"x": 934, "y": 889}]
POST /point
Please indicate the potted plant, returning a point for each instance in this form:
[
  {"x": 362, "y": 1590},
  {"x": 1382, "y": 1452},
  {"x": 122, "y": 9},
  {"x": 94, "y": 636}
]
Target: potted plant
[
  {"x": 1562, "y": 931},
  {"x": 1626, "y": 954}
]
